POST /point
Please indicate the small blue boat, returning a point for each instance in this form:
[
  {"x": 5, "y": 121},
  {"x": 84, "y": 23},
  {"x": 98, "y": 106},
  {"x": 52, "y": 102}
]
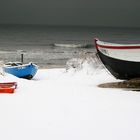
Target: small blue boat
[{"x": 21, "y": 70}]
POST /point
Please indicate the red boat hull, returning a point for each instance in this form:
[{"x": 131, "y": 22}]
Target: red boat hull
[
  {"x": 7, "y": 90},
  {"x": 8, "y": 87}
]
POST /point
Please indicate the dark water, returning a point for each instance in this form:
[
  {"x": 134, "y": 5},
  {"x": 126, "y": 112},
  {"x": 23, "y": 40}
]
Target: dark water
[{"x": 52, "y": 46}]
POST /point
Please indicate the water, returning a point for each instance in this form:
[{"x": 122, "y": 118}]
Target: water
[{"x": 52, "y": 46}]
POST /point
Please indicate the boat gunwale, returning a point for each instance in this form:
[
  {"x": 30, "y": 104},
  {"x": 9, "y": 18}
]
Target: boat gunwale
[
  {"x": 22, "y": 65},
  {"x": 108, "y": 45}
]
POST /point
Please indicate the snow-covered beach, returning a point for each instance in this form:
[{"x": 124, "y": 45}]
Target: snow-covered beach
[{"x": 60, "y": 104}]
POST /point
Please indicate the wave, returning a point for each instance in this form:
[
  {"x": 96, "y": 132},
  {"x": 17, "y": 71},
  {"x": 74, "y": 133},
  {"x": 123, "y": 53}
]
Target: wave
[
  {"x": 87, "y": 63},
  {"x": 73, "y": 45}
]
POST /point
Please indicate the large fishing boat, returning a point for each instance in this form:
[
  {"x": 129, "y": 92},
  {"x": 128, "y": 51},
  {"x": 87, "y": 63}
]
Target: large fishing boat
[{"x": 122, "y": 60}]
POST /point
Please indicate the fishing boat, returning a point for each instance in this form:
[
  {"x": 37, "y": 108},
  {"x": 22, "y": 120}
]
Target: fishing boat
[
  {"x": 21, "y": 70},
  {"x": 8, "y": 87},
  {"x": 121, "y": 60}
]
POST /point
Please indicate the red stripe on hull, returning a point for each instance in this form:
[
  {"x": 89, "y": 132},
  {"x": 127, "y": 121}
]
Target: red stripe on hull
[
  {"x": 118, "y": 47},
  {"x": 114, "y": 47}
]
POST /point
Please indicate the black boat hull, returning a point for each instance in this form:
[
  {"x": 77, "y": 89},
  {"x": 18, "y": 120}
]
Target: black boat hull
[{"x": 120, "y": 69}]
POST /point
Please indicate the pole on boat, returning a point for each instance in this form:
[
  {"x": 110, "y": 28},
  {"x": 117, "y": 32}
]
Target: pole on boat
[
  {"x": 21, "y": 54},
  {"x": 21, "y": 57}
]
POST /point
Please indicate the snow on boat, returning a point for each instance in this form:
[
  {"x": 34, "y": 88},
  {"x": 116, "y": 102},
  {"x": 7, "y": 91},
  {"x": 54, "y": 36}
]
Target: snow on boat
[
  {"x": 122, "y": 60},
  {"x": 21, "y": 70}
]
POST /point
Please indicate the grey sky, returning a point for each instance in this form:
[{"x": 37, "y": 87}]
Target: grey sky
[{"x": 71, "y": 12}]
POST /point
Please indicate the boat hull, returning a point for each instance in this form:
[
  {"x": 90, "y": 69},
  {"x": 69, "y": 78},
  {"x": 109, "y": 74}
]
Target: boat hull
[
  {"x": 119, "y": 68},
  {"x": 7, "y": 90},
  {"x": 26, "y": 71},
  {"x": 8, "y": 87}
]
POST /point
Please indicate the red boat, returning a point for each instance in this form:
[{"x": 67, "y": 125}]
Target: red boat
[
  {"x": 122, "y": 60},
  {"x": 8, "y": 87}
]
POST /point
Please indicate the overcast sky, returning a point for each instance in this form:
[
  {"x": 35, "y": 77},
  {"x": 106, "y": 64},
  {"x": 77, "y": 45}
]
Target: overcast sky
[{"x": 71, "y": 12}]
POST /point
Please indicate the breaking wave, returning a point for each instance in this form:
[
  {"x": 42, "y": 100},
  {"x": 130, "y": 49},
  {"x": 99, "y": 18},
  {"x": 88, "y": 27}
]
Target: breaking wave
[
  {"x": 73, "y": 45},
  {"x": 88, "y": 63}
]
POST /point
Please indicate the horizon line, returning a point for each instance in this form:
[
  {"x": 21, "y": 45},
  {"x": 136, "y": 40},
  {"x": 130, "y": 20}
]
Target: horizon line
[{"x": 61, "y": 25}]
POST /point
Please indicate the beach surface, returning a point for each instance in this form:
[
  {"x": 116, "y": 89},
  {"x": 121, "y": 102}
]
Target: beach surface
[{"x": 60, "y": 104}]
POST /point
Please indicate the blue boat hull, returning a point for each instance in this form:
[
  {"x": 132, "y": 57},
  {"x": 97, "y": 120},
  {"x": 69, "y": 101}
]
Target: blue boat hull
[{"x": 26, "y": 71}]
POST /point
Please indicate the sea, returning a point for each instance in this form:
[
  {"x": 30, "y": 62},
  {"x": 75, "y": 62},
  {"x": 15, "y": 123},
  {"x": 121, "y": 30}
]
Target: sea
[{"x": 53, "y": 46}]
